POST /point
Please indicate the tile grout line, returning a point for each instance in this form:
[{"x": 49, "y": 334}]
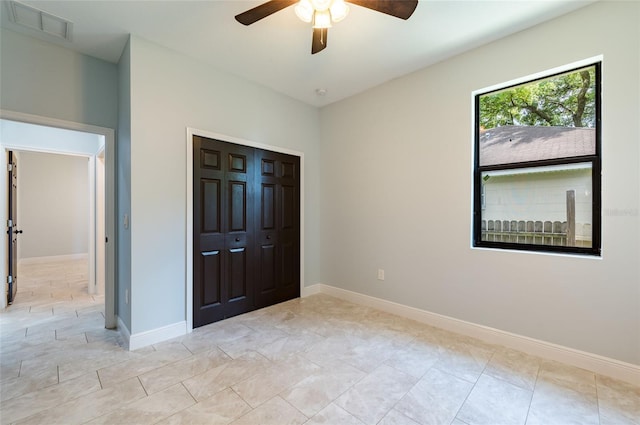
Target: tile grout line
[
  {"x": 595, "y": 378},
  {"x": 100, "y": 380},
  {"x": 187, "y": 389},
  {"x": 187, "y": 348},
  {"x": 405, "y": 394},
  {"x": 298, "y": 410},
  {"x": 535, "y": 385},
  {"x": 511, "y": 383},
  {"x": 145, "y": 390},
  {"x": 294, "y": 407},
  {"x": 493, "y": 353}
]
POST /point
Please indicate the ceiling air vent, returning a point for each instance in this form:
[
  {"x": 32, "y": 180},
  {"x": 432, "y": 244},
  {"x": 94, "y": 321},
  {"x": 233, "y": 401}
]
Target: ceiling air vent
[{"x": 39, "y": 20}]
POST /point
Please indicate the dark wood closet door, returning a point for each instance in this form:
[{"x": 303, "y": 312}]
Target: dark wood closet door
[
  {"x": 223, "y": 278},
  {"x": 278, "y": 227},
  {"x": 246, "y": 229}
]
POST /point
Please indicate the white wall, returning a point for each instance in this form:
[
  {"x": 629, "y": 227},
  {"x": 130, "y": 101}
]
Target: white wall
[
  {"x": 170, "y": 92},
  {"x": 53, "y": 205},
  {"x": 397, "y": 193}
]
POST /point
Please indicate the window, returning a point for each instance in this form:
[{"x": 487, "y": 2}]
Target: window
[{"x": 537, "y": 164}]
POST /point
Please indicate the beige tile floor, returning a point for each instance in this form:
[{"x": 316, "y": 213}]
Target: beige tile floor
[{"x": 317, "y": 360}]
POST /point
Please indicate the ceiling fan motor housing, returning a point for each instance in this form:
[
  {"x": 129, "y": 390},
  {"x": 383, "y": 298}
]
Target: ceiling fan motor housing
[{"x": 323, "y": 12}]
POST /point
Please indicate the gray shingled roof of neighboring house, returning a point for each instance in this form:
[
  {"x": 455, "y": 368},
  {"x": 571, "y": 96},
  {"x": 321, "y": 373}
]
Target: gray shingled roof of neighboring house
[{"x": 512, "y": 143}]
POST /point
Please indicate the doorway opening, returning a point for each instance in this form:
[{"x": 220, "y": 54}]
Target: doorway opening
[{"x": 43, "y": 139}]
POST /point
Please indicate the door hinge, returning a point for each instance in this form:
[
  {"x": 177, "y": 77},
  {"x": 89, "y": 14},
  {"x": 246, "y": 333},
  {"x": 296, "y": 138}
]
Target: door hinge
[
  {"x": 106, "y": 240},
  {"x": 9, "y": 279},
  {"x": 9, "y": 167}
]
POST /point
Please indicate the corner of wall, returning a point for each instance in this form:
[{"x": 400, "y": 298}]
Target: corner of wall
[{"x": 123, "y": 190}]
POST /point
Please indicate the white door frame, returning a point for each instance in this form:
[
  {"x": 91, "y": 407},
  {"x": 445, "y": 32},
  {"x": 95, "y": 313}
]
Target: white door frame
[
  {"x": 109, "y": 137},
  {"x": 189, "y": 230},
  {"x": 100, "y": 231}
]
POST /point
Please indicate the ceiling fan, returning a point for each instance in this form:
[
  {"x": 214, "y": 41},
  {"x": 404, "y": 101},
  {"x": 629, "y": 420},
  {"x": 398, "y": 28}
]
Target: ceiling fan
[{"x": 322, "y": 12}]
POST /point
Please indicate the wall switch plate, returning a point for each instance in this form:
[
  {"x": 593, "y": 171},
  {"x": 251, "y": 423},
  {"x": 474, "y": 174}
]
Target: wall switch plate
[{"x": 380, "y": 274}]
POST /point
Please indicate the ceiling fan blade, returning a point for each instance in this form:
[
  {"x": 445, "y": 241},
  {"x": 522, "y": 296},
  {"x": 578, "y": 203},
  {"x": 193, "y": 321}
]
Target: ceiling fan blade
[
  {"x": 402, "y": 9},
  {"x": 262, "y": 11},
  {"x": 319, "y": 41}
]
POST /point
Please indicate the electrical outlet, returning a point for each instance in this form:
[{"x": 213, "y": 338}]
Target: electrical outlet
[{"x": 380, "y": 274}]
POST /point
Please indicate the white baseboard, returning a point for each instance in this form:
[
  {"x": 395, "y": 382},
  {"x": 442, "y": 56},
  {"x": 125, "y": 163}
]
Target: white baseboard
[
  {"x": 599, "y": 364},
  {"x": 53, "y": 258},
  {"x": 154, "y": 336}
]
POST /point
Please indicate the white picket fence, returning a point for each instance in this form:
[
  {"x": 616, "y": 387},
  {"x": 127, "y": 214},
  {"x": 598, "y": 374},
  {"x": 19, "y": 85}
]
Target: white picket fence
[{"x": 534, "y": 232}]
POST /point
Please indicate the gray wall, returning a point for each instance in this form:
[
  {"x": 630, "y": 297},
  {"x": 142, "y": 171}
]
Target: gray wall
[
  {"x": 53, "y": 205},
  {"x": 170, "y": 92},
  {"x": 123, "y": 178},
  {"x": 397, "y": 193},
  {"x": 43, "y": 79}
]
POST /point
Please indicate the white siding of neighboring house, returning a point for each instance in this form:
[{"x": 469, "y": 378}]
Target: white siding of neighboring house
[{"x": 539, "y": 197}]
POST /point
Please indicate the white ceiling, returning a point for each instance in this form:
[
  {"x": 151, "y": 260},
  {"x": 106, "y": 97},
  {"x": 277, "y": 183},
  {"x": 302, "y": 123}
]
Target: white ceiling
[{"x": 364, "y": 50}]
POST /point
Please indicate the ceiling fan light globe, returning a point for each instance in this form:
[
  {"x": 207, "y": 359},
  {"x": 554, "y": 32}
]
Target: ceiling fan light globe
[
  {"x": 339, "y": 10},
  {"x": 322, "y": 19},
  {"x": 304, "y": 10}
]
